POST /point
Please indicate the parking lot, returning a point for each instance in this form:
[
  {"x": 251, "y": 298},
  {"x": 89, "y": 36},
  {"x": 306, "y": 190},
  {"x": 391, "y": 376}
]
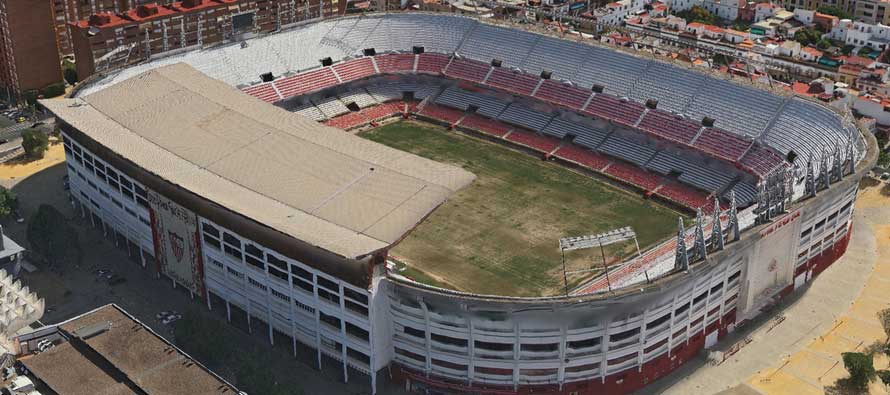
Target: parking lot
[{"x": 108, "y": 275}]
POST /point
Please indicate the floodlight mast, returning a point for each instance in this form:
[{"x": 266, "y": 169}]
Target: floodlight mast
[{"x": 590, "y": 241}]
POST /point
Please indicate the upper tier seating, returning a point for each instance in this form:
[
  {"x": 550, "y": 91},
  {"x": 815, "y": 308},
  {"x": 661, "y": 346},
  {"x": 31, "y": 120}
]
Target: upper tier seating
[
  {"x": 520, "y": 115},
  {"x": 761, "y": 160},
  {"x": 739, "y": 109},
  {"x": 822, "y": 127},
  {"x": 487, "y": 42},
  {"x": 673, "y": 87},
  {"x": 784, "y": 125},
  {"x": 613, "y": 70},
  {"x": 561, "y": 57}
]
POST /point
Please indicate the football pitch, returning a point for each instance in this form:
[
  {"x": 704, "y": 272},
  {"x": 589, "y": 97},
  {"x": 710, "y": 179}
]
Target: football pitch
[{"x": 500, "y": 235}]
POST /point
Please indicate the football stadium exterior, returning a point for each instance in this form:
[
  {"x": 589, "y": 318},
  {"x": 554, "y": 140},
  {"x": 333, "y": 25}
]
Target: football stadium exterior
[{"x": 261, "y": 209}]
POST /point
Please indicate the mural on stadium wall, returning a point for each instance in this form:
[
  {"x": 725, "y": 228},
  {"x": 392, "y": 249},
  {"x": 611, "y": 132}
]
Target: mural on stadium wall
[{"x": 177, "y": 250}]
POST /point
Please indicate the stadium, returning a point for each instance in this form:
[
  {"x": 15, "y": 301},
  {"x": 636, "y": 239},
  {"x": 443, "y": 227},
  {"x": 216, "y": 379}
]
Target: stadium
[{"x": 394, "y": 191}]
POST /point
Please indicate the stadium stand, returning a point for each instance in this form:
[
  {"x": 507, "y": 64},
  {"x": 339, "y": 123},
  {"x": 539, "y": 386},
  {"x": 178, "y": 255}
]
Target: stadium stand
[
  {"x": 722, "y": 144},
  {"x": 682, "y": 195},
  {"x": 331, "y": 107},
  {"x": 348, "y": 120},
  {"x": 633, "y": 175},
  {"x": 523, "y": 116},
  {"x": 673, "y": 87},
  {"x": 456, "y": 98},
  {"x": 608, "y": 107},
  {"x": 628, "y": 150},
  {"x": 384, "y": 110},
  {"x": 823, "y": 128},
  {"x": 431, "y": 63},
  {"x": 265, "y": 92},
  {"x": 537, "y": 142},
  {"x": 467, "y": 69},
  {"x": 487, "y": 42},
  {"x": 561, "y": 57},
  {"x": 745, "y": 193},
  {"x": 359, "y": 97},
  {"x": 441, "y": 112},
  {"x": 741, "y": 110},
  {"x": 563, "y": 94},
  {"x": 307, "y": 82},
  {"x": 354, "y": 69},
  {"x": 615, "y": 71},
  {"x": 485, "y": 125},
  {"x": 760, "y": 161},
  {"x": 309, "y": 110},
  {"x": 512, "y": 81},
  {"x": 395, "y": 63},
  {"x": 581, "y": 156},
  {"x": 669, "y": 127}
]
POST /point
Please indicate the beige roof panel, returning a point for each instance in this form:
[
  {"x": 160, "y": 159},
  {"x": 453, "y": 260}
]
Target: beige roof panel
[{"x": 316, "y": 183}]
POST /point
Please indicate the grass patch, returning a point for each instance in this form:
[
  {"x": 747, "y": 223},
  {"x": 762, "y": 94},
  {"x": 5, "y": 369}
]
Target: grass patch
[{"x": 500, "y": 234}]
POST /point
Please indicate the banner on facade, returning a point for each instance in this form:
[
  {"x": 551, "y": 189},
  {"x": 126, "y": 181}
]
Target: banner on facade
[{"x": 177, "y": 249}]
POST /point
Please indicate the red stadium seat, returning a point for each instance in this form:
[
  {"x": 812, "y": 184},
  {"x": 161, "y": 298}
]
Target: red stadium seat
[
  {"x": 431, "y": 63},
  {"x": 633, "y": 175},
  {"x": 558, "y": 93},
  {"x": 442, "y": 113},
  {"x": 605, "y": 106},
  {"x": 355, "y": 69},
  {"x": 583, "y": 157},
  {"x": 395, "y": 63},
  {"x": 485, "y": 125},
  {"x": 512, "y": 81},
  {"x": 467, "y": 69},
  {"x": 669, "y": 127},
  {"x": 265, "y": 92},
  {"x": 306, "y": 82},
  {"x": 537, "y": 142}
]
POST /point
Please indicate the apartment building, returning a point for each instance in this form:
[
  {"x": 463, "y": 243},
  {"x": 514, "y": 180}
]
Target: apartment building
[
  {"x": 107, "y": 39},
  {"x": 28, "y": 55}
]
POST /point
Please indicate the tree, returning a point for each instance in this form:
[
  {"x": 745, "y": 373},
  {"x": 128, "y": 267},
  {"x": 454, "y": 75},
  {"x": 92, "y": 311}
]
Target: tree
[
  {"x": 35, "y": 143},
  {"x": 884, "y": 375},
  {"x": 50, "y": 235},
  {"x": 807, "y": 36},
  {"x": 865, "y": 51},
  {"x": 697, "y": 14},
  {"x": 70, "y": 75},
  {"x": 847, "y": 49},
  {"x": 861, "y": 368},
  {"x": 884, "y": 315},
  {"x": 8, "y": 202},
  {"x": 823, "y": 44},
  {"x": 839, "y": 13}
]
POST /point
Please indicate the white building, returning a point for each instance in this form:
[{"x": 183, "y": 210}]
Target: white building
[
  {"x": 726, "y": 9},
  {"x": 861, "y": 34}
]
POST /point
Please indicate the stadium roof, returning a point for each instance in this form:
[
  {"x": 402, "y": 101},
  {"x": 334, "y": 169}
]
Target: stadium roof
[
  {"x": 316, "y": 183},
  {"x": 109, "y": 352}
]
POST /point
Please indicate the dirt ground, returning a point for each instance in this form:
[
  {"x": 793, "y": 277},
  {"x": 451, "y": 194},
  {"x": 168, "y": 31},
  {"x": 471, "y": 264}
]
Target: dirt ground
[{"x": 72, "y": 291}]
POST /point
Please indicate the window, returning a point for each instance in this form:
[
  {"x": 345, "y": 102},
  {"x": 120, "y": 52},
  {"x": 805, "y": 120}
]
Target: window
[
  {"x": 448, "y": 340},
  {"x": 357, "y": 332},
  {"x": 492, "y": 346},
  {"x": 415, "y": 332},
  {"x": 329, "y": 319},
  {"x": 586, "y": 343},
  {"x": 280, "y": 295},
  {"x": 549, "y": 347},
  {"x": 254, "y": 256},
  {"x": 658, "y": 321},
  {"x": 621, "y": 336},
  {"x": 256, "y": 283}
]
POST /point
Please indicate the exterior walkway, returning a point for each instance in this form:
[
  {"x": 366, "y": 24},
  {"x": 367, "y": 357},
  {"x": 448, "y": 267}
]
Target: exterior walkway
[{"x": 800, "y": 318}]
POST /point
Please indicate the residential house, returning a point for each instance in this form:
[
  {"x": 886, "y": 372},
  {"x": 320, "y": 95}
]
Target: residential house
[{"x": 810, "y": 54}]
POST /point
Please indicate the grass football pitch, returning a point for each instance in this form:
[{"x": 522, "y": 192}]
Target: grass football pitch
[{"x": 500, "y": 235}]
